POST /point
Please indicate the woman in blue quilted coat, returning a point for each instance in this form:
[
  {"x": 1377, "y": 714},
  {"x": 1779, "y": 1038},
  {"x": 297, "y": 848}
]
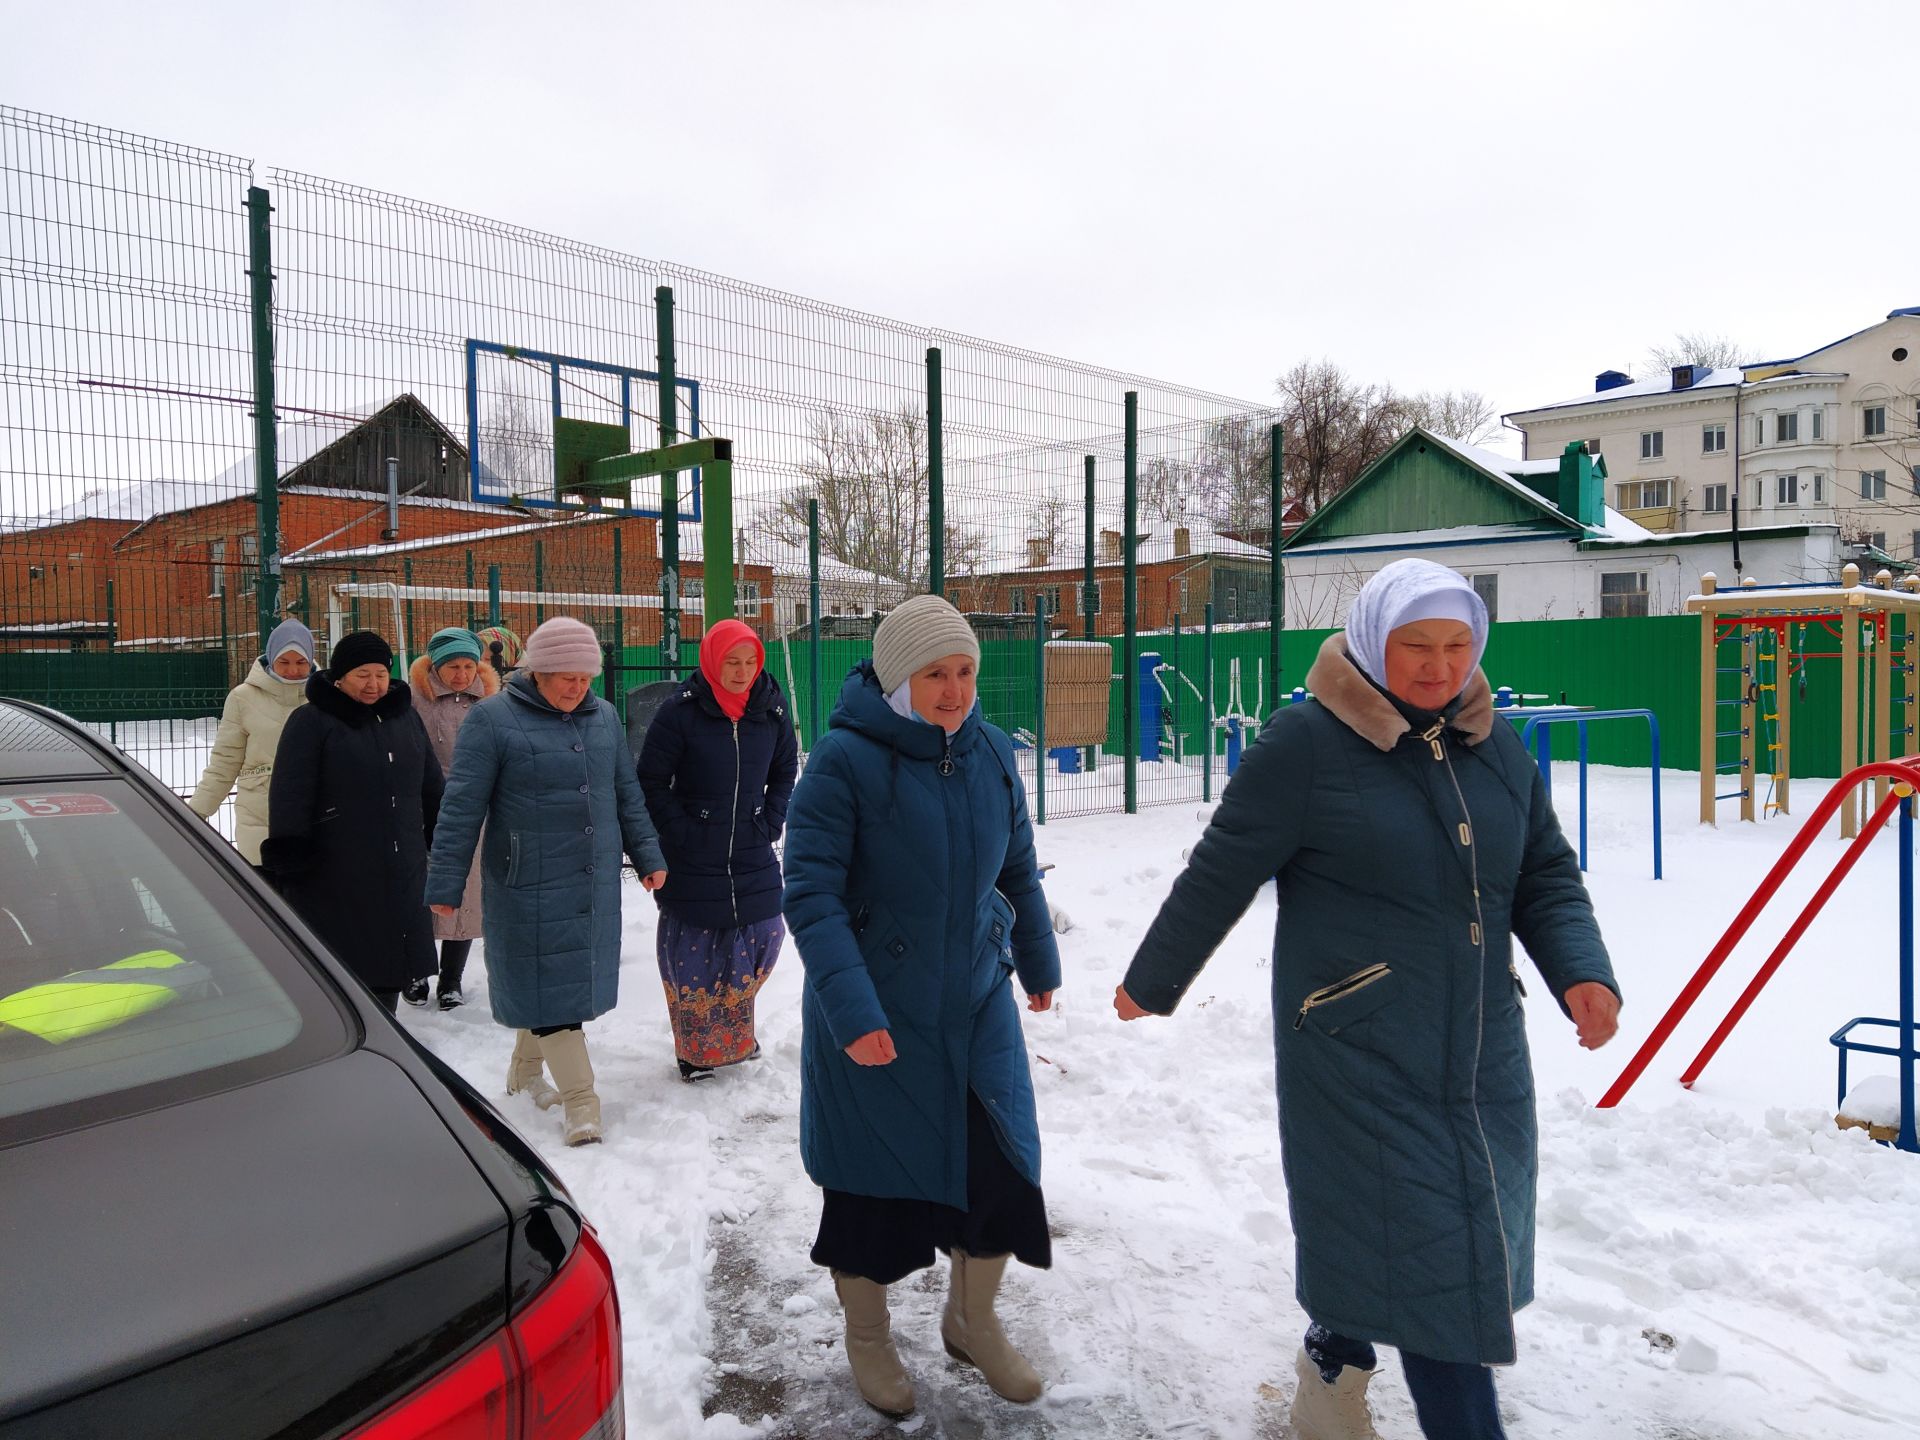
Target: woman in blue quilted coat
[
  {"x": 913, "y": 897},
  {"x": 544, "y": 767},
  {"x": 1412, "y": 841}
]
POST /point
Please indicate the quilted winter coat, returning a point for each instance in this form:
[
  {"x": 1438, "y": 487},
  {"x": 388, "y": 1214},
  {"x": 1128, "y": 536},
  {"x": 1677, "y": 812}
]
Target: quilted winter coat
[
  {"x": 354, "y": 794},
  {"x": 558, "y": 799},
  {"x": 442, "y": 710},
  {"x": 1407, "y": 864},
  {"x": 912, "y": 895},
  {"x": 243, "y": 750},
  {"x": 718, "y": 791}
]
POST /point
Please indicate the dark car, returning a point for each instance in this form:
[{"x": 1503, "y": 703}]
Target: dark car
[{"x": 235, "y": 1198}]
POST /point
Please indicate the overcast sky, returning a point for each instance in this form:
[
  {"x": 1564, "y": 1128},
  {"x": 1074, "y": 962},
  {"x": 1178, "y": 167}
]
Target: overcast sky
[{"x": 1500, "y": 195}]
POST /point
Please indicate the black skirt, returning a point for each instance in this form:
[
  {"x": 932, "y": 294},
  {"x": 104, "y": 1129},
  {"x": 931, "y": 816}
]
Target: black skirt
[{"x": 886, "y": 1240}]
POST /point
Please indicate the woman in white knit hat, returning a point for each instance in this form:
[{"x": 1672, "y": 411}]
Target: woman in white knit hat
[
  {"x": 913, "y": 897},
  {"x": 544, "y": 767}
]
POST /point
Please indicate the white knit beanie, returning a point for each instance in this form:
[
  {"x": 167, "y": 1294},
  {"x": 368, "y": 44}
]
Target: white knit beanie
[
  {"x": 917, "y": 633},
  {"x": 562, "y": 646}
]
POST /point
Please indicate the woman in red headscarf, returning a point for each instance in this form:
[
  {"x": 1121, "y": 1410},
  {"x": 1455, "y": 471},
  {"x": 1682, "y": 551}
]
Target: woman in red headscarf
[{"x": 718, "y": 766}]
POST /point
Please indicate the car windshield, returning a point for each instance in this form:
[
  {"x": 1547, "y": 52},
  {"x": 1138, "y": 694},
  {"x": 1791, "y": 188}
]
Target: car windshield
[{"x": 133, "y": 971}]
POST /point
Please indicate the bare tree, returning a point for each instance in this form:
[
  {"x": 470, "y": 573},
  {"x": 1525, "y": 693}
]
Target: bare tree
[
  {"x": 868, "y": 470},
  {"x": 1167, "y": 491},
  {"x": 1050, "y": 519},
  {"x": 1699, "y": 348},
  {"x": 516, "y": 442},
  {"x": 1335, "y": 428},
  {"x": 1236, "y": 478},
  {"x": 1463, "y": 415}
]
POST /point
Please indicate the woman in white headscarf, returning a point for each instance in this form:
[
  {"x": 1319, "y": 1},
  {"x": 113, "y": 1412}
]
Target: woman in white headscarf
[
  {"x": 1412, "y": 842},
  {"x": 250, "y": 724}
]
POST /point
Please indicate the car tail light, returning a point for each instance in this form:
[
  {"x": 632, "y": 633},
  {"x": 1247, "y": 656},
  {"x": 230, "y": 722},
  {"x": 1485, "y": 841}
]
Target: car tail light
[{"x": 553, "y": 1373}]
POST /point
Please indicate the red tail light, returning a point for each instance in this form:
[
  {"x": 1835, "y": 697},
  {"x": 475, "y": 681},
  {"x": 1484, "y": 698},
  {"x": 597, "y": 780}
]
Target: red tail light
[{"x": 552, "y": 1374}]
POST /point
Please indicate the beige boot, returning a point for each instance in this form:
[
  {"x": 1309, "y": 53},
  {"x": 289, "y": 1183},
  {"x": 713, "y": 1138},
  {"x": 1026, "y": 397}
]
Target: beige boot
[
  {"x": 876, "y": 1364},
  {"x": 972, "y": 1330},
  {"x": 525, "y": 1071},
  {"x": 1331, "y": 1412},
  {"x": 565, "y": 1052}
]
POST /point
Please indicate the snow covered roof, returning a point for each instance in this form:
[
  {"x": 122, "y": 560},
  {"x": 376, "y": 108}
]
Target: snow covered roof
[
  {"x": 311, "y": 556},
  {"x": 1640, "y": 389},
  {"x": 787, "y": 560},
  {"x": 1155, "y": 541}
]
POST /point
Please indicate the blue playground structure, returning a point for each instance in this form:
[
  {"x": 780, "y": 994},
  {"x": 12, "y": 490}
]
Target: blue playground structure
[{"x": 1538, "y": 738}]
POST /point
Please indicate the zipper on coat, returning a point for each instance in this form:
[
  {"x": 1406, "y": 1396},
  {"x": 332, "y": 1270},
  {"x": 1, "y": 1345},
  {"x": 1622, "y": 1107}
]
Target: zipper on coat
[
  {"x": 733, "y": 894},
  {"x": 1479, "y": 937},
  {"x": 1340, "y": 989},
  {"x": 946, "y": 753}
]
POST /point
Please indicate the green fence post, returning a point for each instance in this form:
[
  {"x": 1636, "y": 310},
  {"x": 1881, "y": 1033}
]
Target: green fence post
[
  {"x": 353, "y": 605},
  {"x": 306, "y": 602},
  {"x": 1206, "y": 664},
  {"x": 266, "y": 461},
  {"x": 1276, "y": 598},
  {"x": 539, "y": 582},
  {"x": 936, "y": 482},
  {"x": 493, "y": 594},
  {"x": 1090, "y": 585},
  {"x": 406, "y": 638},
  {"x": 1040, "y": 709},
  {"x": 813, "y": 622},
  {"x": 470, "y": 624},
  {"x": 716, "y": 540},
  {"x": 1130, "y": 640},
  {"x": 1173, "y": 690},
  {"x": 619, "y": 631},
  {"x": 226, "y": 634},
  {"x": 669, "y": 485}
]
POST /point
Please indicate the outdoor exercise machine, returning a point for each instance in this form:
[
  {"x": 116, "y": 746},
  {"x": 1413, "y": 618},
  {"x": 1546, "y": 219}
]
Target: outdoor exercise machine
[
  {"x": 1537, "y": 738},
  {"x": 1898, "y": 779},
  {"x": 1874, "y": 626}
]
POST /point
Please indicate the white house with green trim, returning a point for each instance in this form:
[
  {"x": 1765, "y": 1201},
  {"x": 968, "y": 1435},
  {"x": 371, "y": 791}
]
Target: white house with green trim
[{"x": 1536, "y": 537}]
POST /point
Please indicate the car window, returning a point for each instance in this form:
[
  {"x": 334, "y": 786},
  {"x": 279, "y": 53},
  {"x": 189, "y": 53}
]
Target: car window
[{"x": 133, "y": 969}]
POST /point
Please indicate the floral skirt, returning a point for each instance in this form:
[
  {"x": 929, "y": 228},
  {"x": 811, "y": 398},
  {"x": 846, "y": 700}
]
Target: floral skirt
[{"x": 711, "y": 977}]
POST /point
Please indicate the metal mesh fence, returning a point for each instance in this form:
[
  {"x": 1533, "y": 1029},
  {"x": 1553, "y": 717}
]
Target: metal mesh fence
[{"x": 433, "y": 371}]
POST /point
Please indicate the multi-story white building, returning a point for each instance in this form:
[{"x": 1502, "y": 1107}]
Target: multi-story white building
[{"x": 1831, "y": 437}]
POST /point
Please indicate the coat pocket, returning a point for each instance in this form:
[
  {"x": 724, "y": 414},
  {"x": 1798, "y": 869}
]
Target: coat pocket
[
  {"x": 1346, "y": 1002},
  {"x": 516, "y": 850}
]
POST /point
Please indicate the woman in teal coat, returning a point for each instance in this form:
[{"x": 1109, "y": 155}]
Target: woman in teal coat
[
  {"x": 1412, "y": 841},
  {"x": 544, "y": 769},
  {"x": 912, "y": 895}
]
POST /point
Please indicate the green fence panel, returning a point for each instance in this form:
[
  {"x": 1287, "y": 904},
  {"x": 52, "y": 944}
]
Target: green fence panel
[{"x": 176, "y": 685}]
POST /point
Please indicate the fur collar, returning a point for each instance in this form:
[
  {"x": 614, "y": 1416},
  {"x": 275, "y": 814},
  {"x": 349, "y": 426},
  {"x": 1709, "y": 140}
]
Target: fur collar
[
  {"x": 1340, "y": 685},
  {"x": 427, "y": 687}
]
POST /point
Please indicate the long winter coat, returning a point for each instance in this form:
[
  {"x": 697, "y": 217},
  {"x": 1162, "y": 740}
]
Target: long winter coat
[
  {"x": 558, "y": 798},
  {"x": 718, "y": 790},
  {"x": 355, "y": 792},
  {"x": 1407, "y": 864},
  {"x": 442, "y": 710},
  {"x": 243, "y": 750},
  {"x": 912, "y": 896}
]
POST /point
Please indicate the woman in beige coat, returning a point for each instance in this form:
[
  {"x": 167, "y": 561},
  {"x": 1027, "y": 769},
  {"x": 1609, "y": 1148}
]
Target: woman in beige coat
[
  {"x": 448, "y": 681},
  {"x": 250, "y": 724}
]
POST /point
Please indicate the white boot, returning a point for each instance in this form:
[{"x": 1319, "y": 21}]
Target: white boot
[
  {"x": 972, "y": 1330},
  {"x": 565, "y": 1052},
  {"x": 1331, "y": 1412},
  {"x": 875, "y": 1363},
  {"x": 525, "y": 1071}
]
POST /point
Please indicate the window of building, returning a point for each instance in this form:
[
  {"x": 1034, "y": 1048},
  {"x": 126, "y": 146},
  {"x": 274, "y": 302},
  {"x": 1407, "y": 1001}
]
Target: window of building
[
  {"x": 1233, "y": 603},
  {"x": 1016, "y": 602},
  {"x": 1873, "y": 484},
  {"x": 216, "y": 568},
  {"x": 1053, "y": 599},
  {"x": 1593, "y": 446},
  {"x": 1653, "y": 444},
  {"x": 1916, "y": 544},
  {"x": 1713, "y": 439},
  {"x": 746, "y": 596},
  {"x": 1487, "y": 587},
  {"x": 1819, "y": 422},
  {"x": 799, "y": 612},
  {"x": 1623, "y": 593},
  {"x": 1786, "y": 490},
  {"x": 1817, "y": 487},
  {"x": 1873, "y": 420},
  {"x": 1786, "y": 427},
  {"x": 1713, "y": 499},
  {"x": 1878, "y": 540},
  {"x": 1645, "y": 494}
]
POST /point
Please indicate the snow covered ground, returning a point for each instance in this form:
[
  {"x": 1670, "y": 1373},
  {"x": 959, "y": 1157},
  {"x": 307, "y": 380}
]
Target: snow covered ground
[{"x": 1717, "y": 1263}]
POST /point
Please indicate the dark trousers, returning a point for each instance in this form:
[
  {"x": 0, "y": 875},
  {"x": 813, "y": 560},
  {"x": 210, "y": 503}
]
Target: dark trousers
[
  {"x": 453, "y": 963},
  {"x": 1454, "y": 1401}
]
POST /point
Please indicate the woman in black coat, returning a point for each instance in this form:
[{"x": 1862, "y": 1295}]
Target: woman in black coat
[
  {"x": 718, "y": 766},
  {"x": 350, "y": 816}
]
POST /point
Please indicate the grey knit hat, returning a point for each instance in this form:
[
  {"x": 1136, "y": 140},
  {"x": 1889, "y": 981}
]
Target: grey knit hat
[
  {"x": 562, "y": 646},
  {"x": 915, "y": 635}
]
